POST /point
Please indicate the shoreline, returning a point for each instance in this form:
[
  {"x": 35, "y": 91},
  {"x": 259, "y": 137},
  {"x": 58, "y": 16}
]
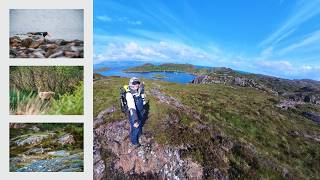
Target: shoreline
[{"x": 32, "y": 46}]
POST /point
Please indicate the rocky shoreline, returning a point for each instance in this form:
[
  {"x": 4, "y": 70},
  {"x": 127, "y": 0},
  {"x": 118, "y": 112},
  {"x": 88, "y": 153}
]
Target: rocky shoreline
[{"x": 33, "y": 46}]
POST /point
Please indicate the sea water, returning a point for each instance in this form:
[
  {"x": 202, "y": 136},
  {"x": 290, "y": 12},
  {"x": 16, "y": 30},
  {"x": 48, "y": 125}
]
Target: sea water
[
  {"x": 117, "y": 70},
  {"x": 59, "y": 23}
]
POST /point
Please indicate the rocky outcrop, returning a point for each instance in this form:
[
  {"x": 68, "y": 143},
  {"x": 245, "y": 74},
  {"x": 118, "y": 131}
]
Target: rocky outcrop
[
  {"x": 285, "y": 104},
  {"x": 307, "y": 97},
  {"x": 149, "y": 160},
  {"x": 33, "y": 46},
  {"x": 232, "y": 80},
  {"x": 66, "y": 139},
  {"x": 301, "y": 91},
  {"x": 312, "y": 116},
  {"x": 33, "y": 149},
  {"x": 30, "y": 139}
]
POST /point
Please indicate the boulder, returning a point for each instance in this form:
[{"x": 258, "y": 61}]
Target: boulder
[
  {"x": 14, "y": 40},
  {"x": 29, "y": 46},
  {"x": 35, "y": 129},
  {"x": 99, "y": 170},
  {"x": 71, "y": 54},
  {"x": 59, "y": 153},
  {"x": 37, "y": 43},
  {"x": 61, "y": 42},
  {"x": 27, "y": 42},
  {"x": 56, "y": 54},
  {"x": 38, "y": 55},
  {"x": 31, "y": 140},
  {"x": 66, "y": 139}
]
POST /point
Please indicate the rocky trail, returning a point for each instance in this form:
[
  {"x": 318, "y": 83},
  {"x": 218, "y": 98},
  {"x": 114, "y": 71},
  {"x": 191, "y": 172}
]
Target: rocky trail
[{"x": 149, "y": 160}]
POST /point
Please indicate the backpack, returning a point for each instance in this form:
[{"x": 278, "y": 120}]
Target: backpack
[{"x": 123, "y": 100}]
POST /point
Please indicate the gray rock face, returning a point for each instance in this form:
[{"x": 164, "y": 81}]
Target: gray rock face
[
  {"x": 59, "y": 153},
  {"x": 312, "y": 116},
  {"x": 232, "y": 80},
  {"x": 35, "y": 147},
  {"x": 307, "y": 91},
  {"x": 66, "y": 139},
  {"x": 32, "y": 46},
  {"x": 31, "y": 140},
  {"x": 285, "y": 104}
]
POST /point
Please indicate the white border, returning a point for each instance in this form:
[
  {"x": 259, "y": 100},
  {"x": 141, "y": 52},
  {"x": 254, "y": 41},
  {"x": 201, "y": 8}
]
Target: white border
[{"x": 86, "y": 62}]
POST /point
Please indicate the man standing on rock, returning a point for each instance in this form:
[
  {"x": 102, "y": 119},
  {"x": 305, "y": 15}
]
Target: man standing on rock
[{"x": 136, "y": 105}]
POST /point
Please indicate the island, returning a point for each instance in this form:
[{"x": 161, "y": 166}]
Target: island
[
  {"x": 102, "y": 69},
  {"x": 159, "y": 76}
]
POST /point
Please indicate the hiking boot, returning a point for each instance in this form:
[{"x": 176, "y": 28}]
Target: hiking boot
[{"x": 132, "y": 147}]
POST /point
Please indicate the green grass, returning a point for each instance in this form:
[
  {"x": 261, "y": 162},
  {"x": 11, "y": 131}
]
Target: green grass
[
  {"x": 59, "y": 129},
  {"x": 243, "y": 115},
  {"x": 158, "y": 76},
  {"x": 69, "y": 103},
  {"x": 28, "y": 103}
]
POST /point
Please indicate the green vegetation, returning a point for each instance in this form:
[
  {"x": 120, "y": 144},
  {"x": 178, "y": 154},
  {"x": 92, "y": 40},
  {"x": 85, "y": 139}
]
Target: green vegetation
[
  {"x": 69, "y": 103},
  {"x": 159, "y": 76},
  {"x": 46, "y": 90},
  {"x": 103, "y": 69},
  {"x": 188, "y": 68},
  {"x": 43, "y": 143},
  {"x": 263, "y": 146},
  {"x": 169, "y": 67}
]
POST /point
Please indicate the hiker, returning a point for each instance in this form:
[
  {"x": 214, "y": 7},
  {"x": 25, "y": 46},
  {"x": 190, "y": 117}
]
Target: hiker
[{"x": 136, "y": 102}]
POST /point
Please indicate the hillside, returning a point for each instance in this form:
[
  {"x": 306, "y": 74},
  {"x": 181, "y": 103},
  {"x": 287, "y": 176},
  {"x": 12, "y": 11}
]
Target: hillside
[
  {"x": 296, "y": 90},
  {"x": 168, "y": 67},
  {"x": 207, "y": 130}
]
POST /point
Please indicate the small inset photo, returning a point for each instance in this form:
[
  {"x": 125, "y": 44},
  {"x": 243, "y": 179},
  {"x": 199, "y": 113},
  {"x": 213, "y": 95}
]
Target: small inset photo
[
  {"x": 46, "y": 147},
  {"x": 46, "y": 33},
  {"x": 46, "y": 90}
]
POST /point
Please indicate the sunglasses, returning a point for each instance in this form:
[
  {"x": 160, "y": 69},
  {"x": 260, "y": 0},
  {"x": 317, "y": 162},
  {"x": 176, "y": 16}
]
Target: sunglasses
[{"x": 135, "y": 82}]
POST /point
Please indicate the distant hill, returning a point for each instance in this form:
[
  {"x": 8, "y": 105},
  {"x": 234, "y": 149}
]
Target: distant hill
[
  {"x": 101, "y": 69},
  {"x": 167, "y": 67},
  {"x": 298, "y": 90}
]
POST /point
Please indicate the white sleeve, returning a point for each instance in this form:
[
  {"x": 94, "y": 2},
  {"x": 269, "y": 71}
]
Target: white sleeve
[
  {"x": 130, "y": 101},
  {"x": 144, "y": 98}
]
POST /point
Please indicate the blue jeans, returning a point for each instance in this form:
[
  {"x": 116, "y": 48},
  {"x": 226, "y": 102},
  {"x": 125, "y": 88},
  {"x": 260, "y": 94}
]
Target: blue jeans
[{"x": 136, "y": 132}]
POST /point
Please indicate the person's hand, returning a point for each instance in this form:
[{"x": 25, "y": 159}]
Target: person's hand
[{"x": 136, "y": 125}]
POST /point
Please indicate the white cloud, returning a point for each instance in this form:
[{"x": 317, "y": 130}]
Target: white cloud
[
  {"x": 303, "y": 11},
  {"x": 104, "y": 18},
  {"x": 285, "y": 69},
  {"x": 313, "y": 39},
  {"x": 134, "y": 22},
  {"x": 284, "y": 66},
  {"x": 162, "y": 51}
]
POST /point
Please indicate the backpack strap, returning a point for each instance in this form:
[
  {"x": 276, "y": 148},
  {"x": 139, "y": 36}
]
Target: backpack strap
[{"x": 126, "y": 88}]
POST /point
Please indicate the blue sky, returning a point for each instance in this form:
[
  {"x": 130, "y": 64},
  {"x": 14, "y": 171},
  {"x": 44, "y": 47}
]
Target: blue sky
[{"x": 272, "y": 37}]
